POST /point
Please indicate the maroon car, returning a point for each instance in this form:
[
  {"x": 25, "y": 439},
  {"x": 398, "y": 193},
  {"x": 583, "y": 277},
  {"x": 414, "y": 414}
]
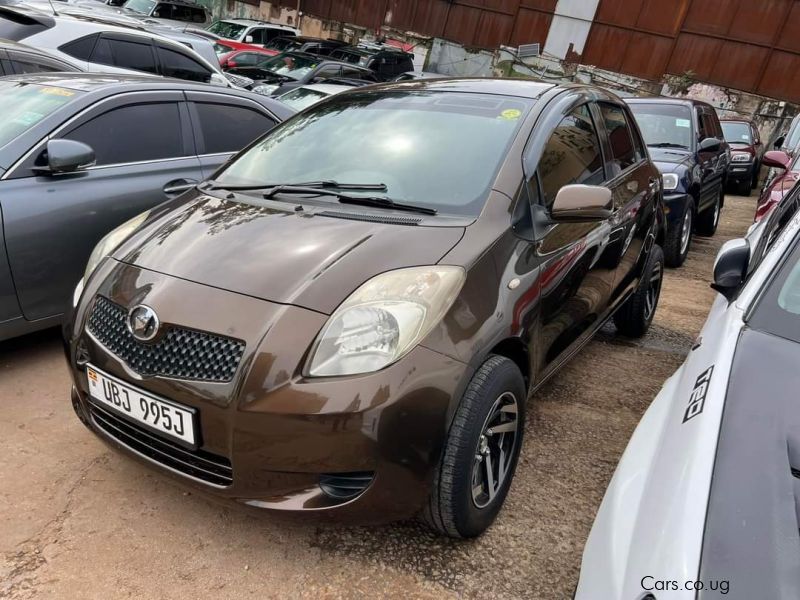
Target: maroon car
[
  {"x": 787, "y": 172},
  {"x": 746, "y": 150}
]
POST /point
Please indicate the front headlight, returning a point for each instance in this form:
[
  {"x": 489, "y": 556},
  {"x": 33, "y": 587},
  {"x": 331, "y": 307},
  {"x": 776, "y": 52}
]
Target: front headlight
[
  {"x": 384, "y": 319},
  {"x": 670, "y": 181},
  {"x": 741, "y": 157},
  {"x": 110, "y": 243},
  {"x": 265, "y": 90}
]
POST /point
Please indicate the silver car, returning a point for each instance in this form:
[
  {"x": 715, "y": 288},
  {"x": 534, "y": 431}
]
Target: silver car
[{"x": 82, "y": 153}]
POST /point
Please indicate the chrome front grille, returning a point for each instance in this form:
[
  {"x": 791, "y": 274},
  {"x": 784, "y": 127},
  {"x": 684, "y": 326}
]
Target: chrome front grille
[{"x": 179, "y": 353}]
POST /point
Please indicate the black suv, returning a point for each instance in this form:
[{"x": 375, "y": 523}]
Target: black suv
[
  {"x": 387, "y": 62},
  {"x": 686, "y": 142},
  {"x": 301, "y": 43},
  {"x": 276, "y": 75}
]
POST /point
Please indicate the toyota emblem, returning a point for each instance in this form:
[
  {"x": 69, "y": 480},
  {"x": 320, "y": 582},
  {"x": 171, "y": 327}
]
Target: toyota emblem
[{"x": 143, "y": 323}]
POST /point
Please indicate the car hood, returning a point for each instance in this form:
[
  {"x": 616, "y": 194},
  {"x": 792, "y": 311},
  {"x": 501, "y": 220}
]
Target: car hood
[
  {"x": 663, "y": 479},
  {"x": 302, "y": 258},
  {"x": 669, "y": 160},
  {"x": 751, "y": 535},
  {"x": 259, "y": 74}
]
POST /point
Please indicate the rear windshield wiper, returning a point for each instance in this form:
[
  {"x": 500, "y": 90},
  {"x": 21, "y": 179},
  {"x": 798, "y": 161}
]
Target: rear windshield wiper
[
  {"x": 668, "y": 145},
  {"x": 324, "y": 184},
  {"x": 379, "y": 201}
]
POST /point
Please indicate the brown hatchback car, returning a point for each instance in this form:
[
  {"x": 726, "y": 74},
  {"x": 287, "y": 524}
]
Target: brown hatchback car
[{"x": 349, "y": 318}]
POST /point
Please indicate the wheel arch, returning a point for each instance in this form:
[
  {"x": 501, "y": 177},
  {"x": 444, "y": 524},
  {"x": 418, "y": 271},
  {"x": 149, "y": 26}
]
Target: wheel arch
[{"x": 514, "y": 349}]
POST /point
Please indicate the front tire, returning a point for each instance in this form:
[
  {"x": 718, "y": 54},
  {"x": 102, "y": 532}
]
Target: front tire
[
  {"x": 679, "y": 237},
  {"x": 633, "y": 319},
  {"x": 480, "y": 453},
  {"x": 708, "y": 220}
]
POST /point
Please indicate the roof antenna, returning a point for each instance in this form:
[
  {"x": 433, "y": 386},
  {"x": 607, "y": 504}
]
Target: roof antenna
[{"x": 53, "y": 8}]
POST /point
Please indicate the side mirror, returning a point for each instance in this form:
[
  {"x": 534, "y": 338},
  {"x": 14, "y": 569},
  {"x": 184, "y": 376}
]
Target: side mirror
[
  {"x": 709, "y": 145},
  {"x": 582, "y": 203},
  {"x": 777, "y": 159},
  {"x": 67, "y": 156},
  {"x": 730, "y": 268},
  {"x": 779, "y": 141},
  {"x": 219, "y": 80},
  {"x": 248, "y": 39}
]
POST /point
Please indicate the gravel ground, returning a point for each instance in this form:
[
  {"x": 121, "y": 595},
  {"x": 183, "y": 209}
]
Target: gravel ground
[{"x": 79, "y": 521}]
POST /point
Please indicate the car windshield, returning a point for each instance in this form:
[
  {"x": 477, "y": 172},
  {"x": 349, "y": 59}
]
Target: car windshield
[
  {"x": 23, "y": 105},
  {"x": 140, "y": 6},
  {"x": 227, "y": 29},
  {"x": 301, "y": 98},
  {"x": 736, "y": 132},
  {"x": 434, "y": 149},
  {"x": 288, "y": 65},
  {"x": 664, "y": 124},
  {"x": 778, "y": 310}
]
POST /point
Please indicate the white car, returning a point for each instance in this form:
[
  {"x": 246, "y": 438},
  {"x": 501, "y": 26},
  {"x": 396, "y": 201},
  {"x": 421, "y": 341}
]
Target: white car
[
  {"x": 250, "y": 31},
  {"x": 705, "y": 501},
  {"x": 103, "y": 44}
]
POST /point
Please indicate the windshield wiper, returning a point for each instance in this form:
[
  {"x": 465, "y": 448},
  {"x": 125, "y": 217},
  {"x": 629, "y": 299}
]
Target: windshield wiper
[
  {"x": 379, "y": 201},
  {"x": 324, "y": 184},
  {"x": 667, "y": 145}
]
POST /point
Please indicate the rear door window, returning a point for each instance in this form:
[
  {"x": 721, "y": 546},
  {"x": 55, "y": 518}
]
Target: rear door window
[
  {"x": 229, "y": 128},
  {"x": 623, "y": 154},
  {"x": 125, "y": 54},
  {"x": 133, "y": 133},
  {"x": 178, "y": 65},
  {"x": 572, "y": 155}
]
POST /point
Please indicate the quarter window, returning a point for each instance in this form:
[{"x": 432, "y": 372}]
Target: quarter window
[
  {"x": 134, "y": 133},
  {"x": 176, "y": 64},
  {"x": 572, "y": 155},
  {"x": 229, "y": 128},
  {"x": 623, "y": 154}
]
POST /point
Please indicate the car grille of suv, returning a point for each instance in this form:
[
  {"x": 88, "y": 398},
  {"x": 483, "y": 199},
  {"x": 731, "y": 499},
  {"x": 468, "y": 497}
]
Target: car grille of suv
[
  {"x": 213, "y": 469},
  {"x": 180, "y": 353}
]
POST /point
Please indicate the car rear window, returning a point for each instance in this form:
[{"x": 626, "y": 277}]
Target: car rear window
[
  {"x": 24, "y": 105},
  {"x": 436, "y": 149}
]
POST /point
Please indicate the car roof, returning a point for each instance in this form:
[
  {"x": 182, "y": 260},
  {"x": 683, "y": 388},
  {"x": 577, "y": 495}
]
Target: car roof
[
  {"x": 117, "y": 83},
  {"x": 259, "y": 23},
  {"x": 522, "y": 88},
  {"x": 665, "y": 100}
]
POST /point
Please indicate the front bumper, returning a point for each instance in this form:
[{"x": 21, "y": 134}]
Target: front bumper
[
  {"x": 283, "y": 435},
  {"x": 740, "y": 171}
]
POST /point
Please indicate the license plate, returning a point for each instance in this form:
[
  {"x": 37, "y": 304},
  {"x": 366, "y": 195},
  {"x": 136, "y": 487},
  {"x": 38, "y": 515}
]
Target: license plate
[{"x": 168, "y": 418}]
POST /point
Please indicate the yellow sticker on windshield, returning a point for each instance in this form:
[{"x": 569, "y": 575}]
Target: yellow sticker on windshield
[
  {"x": 510, "y": 114},
  {"x": 57, "y": 91}
]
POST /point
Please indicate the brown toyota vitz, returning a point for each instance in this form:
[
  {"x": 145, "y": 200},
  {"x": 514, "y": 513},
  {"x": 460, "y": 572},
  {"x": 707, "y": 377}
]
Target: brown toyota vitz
[{"x": 350, "y": 317}]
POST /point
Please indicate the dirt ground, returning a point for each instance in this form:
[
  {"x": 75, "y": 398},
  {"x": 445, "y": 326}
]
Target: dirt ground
[{"x": 79, "y": 521}]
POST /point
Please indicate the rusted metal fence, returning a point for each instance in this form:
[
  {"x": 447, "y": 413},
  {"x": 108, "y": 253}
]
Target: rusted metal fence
[{"x": 752, "y": 45}]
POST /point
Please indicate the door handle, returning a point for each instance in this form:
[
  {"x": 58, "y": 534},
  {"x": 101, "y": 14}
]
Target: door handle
[{"x": 178, "y": 186}]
